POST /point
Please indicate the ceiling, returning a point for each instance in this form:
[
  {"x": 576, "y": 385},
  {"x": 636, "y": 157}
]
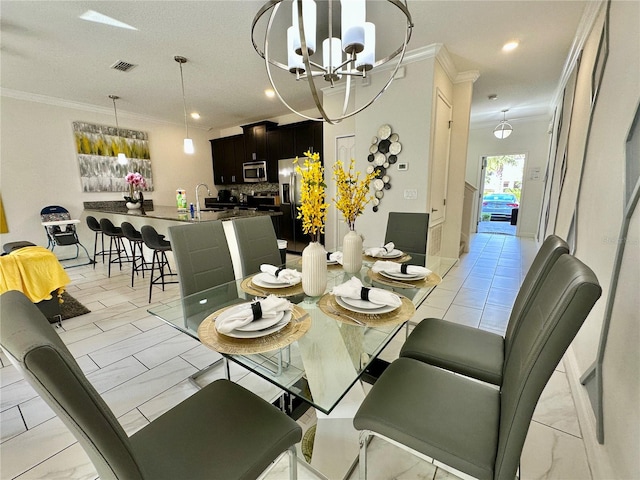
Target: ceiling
[{"x": 48, "y": 50}]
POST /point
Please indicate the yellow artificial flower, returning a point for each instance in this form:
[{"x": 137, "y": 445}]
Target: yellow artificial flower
[
  {"x": 312, "y": 209},
  {"x": 352, "y": 193}
]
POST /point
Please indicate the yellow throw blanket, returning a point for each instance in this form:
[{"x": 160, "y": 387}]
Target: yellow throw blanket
[{"x": 34, "y": 271}]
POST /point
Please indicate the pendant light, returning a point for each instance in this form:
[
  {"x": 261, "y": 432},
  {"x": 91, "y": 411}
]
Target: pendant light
[
  {"x": 504, "y": 129},
  {"x": 188, "y": 142},
  {"x": 348, "y": 53},
  {"x": 122, "y": 158}
]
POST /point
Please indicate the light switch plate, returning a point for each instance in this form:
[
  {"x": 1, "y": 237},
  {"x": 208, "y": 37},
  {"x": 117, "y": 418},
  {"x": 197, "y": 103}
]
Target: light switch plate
[
  {"x": 403, "y": 166},
  {"x": 410, "y": 194}
]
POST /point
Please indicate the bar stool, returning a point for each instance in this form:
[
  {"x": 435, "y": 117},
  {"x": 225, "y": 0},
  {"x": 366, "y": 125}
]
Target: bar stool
[
  {"x": 115, "y": 236},
  {"x": 138, "y": 263},
  {"x": 94, "y": 226},
  {"x": 156, "y": 242}
]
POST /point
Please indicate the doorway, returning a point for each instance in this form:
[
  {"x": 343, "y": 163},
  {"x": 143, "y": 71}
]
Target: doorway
[{"x": 501, "y": 193}]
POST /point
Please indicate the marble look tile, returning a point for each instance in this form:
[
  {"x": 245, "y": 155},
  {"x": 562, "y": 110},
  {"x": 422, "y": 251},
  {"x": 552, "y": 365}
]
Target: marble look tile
[
  {"x": 130, "y": 316},
  {"x": 20, "y": 453},
  {"x": 280, "y": 470},
  {"x": 133, "y": 421},
  {"x": 102, "y": 340},
  {"x": 440, "y": 298},
  {"x": 510, "y": 272},
  {"x": 147, "y": 322},
  {"x": 72, "y": 463},
  {"x": 451, "y": 283},
  {"x": 509, "y": 262},
  {"x": 553, "y": 455},
  {"x": 15, "y": 394},
  {"x": 495, "y": 318},
  {"x": 483, "y": 271},
  {"x": 386, "y": 461},
  {"x": 163, "y": 351},
  {"x": 505, "y": 282},
  {"x": 261, "y": 387},
  {"x": 4, "y": 361},
  {"x": 144, "y": 387},
  {"x": 9, "y": 375},
  {"x": 556, "y": 408},
  {"x": 502, "y": 297},
  {"x": 167, "y": 400},
  {"x": 116, "y": 373},
  {"x": 86, "y": 364},
  {"x": 132, "y": 345},
  {"x": 471, "y": 297},
  {"x": 427, "y": 311},
  {"x": 201, "y": 356},
  {"x": 76, "y": 334},
  {"x": 36, "y": 411},
  {"x": 477, "y": 283},
  {"x": 12, "y": 424},
  {"x": 464, "y": 315}
]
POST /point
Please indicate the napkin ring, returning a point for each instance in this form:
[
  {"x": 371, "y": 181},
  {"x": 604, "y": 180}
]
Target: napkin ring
[
  {"x": 256, "y": 309},
  {"x": 278, "y": 272},
  {"x": 364, "y": 294},
  {"x": 403, "y": 268}
]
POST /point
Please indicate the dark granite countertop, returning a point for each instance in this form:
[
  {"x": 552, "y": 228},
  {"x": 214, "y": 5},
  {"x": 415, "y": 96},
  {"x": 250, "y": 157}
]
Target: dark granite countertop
[{"x": 171, "y": 213}]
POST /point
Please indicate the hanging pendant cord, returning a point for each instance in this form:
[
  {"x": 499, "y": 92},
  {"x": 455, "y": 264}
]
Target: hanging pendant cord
[{"x": 184, "y": 101}]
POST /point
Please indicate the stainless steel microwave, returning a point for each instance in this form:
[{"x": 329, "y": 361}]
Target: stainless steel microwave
[{"x": 254, "y": 171}]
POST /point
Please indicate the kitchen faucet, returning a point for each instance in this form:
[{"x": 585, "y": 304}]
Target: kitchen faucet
[{"x": 198, "y": 198}]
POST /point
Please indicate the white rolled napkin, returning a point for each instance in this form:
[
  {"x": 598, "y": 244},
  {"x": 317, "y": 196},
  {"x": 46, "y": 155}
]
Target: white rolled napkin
[
  {"x": 334, "y": 257},
  {"x": 244, "y": 314},
  {"x": 379, "y": 251},
  {"x": 395, "y": 267},
  {"x": 286, "y": 275},
  {"x": 353, "y": 289}
]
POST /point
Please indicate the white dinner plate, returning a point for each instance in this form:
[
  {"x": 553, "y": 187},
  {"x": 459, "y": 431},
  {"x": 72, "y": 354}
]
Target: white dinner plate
[
  {"x": 265, "y": 280},
  {"x": 369, "y": 307},
  {"x": 261, "y": 333},
  {"x": 262, "y": 323},
  {"x": 402, "y": 276},
  {"x": 395, "y": 253}
]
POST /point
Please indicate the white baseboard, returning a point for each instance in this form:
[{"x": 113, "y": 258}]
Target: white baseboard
[{"x": 597, "y": 455}]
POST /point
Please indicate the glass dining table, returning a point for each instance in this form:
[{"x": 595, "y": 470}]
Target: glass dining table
[{"x": 328, "y": 349}]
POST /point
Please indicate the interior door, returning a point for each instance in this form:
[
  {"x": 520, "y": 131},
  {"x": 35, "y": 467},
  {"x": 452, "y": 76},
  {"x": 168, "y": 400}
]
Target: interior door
[{"x": 440, "y": 159}]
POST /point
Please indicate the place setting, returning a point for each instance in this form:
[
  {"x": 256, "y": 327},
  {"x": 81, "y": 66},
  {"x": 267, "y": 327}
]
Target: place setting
[
  {"x": 254, "y": 327},
  {"x": 353, "y": 303},
  {"x": 272, "y": 280},
  {"x": 386, "y": 252},
  {"x": 402, "y": 275}
]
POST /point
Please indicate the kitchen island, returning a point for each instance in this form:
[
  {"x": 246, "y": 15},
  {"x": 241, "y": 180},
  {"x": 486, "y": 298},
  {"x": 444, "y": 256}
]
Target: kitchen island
[{"x": 162, "y": 217}]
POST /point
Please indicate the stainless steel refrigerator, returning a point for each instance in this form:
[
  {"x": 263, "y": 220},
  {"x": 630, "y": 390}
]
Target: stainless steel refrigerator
[{"x": 290, "y": 225}]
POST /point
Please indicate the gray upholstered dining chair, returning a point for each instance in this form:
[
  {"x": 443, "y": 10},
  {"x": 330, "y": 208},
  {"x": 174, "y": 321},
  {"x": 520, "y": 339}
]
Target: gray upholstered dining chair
[
  {"x": 408, "y": 232},
  {"x": 474, "y": 352},
  {"x": 257, "y": 243},
  {"x": 221, "y": 432},
  {"x": 203, "y": 261},
  {"x": 471, "y": 426}
]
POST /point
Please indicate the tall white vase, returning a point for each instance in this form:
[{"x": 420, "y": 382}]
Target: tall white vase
[
  {"x": 314, "y": 269},
  {"x": 352, "y": 252}
]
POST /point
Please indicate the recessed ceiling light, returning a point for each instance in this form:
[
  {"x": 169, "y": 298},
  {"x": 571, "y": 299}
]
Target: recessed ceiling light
[
  {"x": 97, "y": 17},
  {"x": 493, "y": 96},
  {"x": 195, "y": 115},
  {"x": 269, "y": 93},
  {"x": 507, "y": 47}
]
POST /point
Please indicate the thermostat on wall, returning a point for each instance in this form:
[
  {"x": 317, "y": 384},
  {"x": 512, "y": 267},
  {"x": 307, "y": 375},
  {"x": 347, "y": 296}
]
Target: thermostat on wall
[{"x": 403, "y": 166}]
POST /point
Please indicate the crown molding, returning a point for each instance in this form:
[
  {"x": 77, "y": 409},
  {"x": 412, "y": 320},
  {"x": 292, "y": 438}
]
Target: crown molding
[
  {"x": 85, "y": 107},
  {"x": 468, "y": 76}
]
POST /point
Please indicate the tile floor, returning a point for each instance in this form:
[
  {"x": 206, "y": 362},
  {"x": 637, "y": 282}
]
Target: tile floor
[{"x": 140, "y": 366}]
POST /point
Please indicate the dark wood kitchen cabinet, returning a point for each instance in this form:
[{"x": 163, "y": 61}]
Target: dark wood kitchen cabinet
[
  {"x": 228, "y": 156},
  {"x": 308, "y": 137},
  {"x": 255, "y": 140}
]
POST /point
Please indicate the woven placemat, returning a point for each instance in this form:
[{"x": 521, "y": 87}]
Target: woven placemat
[
  {"x": 404, "y": 258},
  {"x": 404, "y": 312},
  {"x": 248, "y": 286},
  {"x": 430, "y": 280},
  {"x": 295, "y": 329}
]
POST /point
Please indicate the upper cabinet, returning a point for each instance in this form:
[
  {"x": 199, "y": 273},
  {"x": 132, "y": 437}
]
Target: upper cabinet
[{"x": 263, "y": 141}]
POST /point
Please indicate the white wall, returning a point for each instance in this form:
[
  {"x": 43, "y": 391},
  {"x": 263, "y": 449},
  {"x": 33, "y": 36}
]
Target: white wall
[
  {"x": 38, "y": 164},
  {"x": 529, "y": 137}
]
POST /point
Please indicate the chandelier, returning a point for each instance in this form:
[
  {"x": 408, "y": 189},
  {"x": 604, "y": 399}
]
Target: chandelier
[
  {"x": 504, "y": 128},
  {"x": 350, "y": 57},
  {"x": 188, "y": 141}
]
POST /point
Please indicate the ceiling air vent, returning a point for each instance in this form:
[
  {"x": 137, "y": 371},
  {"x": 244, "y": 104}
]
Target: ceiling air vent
[{"x": 123, "y": 66}]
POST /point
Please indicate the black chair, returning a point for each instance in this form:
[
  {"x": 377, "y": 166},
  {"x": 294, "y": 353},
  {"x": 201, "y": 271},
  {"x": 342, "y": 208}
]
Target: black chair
[
  {"x": 116, "y": 244},
  {"x": 156, "y": 242},
  {"x": 223, "y": 431},
  {"x": 138, "y": 263},
  {"x": 475, "y": 352},
  {"x": 408, "y": 232},
  {"x": 64, "y": 234},
  {"x": 94, "y": 226},
  {"x": 472, "y": 426}
]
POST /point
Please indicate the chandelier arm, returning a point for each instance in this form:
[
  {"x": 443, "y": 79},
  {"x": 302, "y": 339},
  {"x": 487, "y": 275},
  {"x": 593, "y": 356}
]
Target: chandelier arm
[
  {"x": 408, "y": 33},
  {"x": 347, "y": 89}
]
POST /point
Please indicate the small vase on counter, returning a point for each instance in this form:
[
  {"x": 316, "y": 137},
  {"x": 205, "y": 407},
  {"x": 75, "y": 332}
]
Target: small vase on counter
[
  {"x": 314, "y": 269},
  {"x": 352, "y": 252}
]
